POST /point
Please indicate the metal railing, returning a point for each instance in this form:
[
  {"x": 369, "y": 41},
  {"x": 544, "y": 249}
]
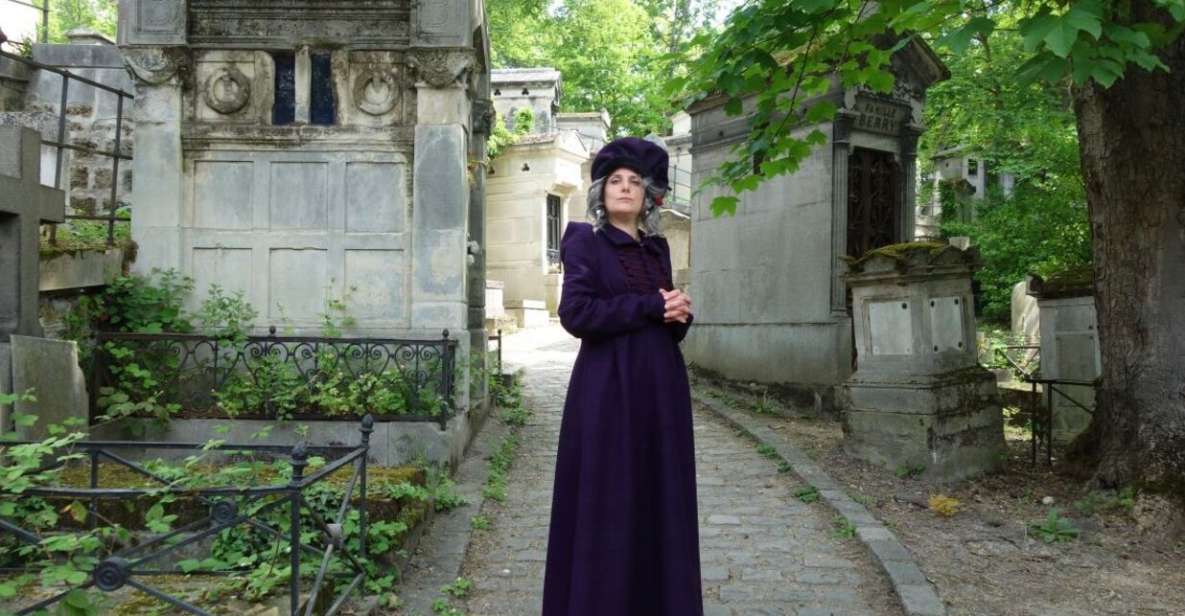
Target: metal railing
[
  {"x": 60, "y": 144},
  {"x": 1042, "y": 416},
  {"x": 226, "y": 507},
  {"x": 272, "y": 377}
]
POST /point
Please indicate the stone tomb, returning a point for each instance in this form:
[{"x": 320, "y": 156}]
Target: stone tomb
[
  {"x": 306, "y": 151},
  {"x": 772, "y": 303},
  {"x": 1069, "y": 346},
  {"x": 919, "y": 399}
]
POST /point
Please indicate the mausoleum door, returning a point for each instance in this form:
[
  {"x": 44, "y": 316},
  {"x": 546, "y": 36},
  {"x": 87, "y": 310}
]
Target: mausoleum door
[{"x": 874, "y": 200}]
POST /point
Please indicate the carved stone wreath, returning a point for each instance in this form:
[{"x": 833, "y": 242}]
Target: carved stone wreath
[
  {"x": 226, "y": 90},
  {"x": 376, "y": 90}
]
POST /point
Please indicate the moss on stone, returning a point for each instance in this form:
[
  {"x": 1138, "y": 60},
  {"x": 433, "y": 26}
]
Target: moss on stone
[
  {"x": 1077, "y": 280},
  {"x": 899, "y": 252}
]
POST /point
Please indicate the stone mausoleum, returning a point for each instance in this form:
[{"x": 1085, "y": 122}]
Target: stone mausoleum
[
  {"x": 304, "y": 151},
  {"x": 772, "y": 304}
]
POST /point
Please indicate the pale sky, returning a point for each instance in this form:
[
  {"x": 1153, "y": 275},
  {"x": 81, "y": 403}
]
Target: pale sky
[{"x": 19, "y": 21}]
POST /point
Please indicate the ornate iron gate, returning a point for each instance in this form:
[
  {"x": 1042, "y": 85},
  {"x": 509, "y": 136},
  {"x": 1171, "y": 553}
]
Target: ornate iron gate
[{"x": 874, "y": 200}]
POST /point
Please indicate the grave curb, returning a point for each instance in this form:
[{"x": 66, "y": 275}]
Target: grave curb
[{"x": 915, "y": 593}]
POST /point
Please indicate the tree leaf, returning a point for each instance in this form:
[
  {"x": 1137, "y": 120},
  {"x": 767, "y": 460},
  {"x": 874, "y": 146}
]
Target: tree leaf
[
  {"x": 814, "y": 6},
  {"x": 881, "y": 81},
  {"x": 724, "y": 205},
  {"x": 1061, "y": 37},
  {"x": 960, "y": 39},
  {"x": 821, "y": 112},
  {"x": 1080, "y": 17},
  {"x": 1035, "y": 29}
]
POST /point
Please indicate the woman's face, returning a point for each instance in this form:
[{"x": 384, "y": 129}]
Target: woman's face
[{"x": 623, "y": 195}]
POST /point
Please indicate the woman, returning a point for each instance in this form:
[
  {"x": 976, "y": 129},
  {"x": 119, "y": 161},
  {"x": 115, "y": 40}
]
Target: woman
[{"x": 624, "y": 537}]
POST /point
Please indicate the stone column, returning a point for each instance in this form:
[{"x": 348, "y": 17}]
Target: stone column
[
  {"x": 909, "y": 175},
  {"x": 919, "y": 399},
  {"x": 841, "y": 141},
  {"x": 440, "y": 191},
  {"x": 152, "y": 35},
  {"x": 483, "y": 113},
  {"x": 157, "y": 194}
]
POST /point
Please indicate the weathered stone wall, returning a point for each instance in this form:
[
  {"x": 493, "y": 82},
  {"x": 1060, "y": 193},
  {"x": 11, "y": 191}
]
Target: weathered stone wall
[
  {"x": 91, "y": 117},
  {"x": 351, "y": 176},
  {"x": 14, "y": 79},
  {"x": 517, "y": 212},
  {"x": 763, "y": 279}
]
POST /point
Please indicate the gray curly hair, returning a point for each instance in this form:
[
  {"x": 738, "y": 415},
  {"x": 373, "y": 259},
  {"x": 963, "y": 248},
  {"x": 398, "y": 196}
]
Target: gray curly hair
[{"x": 649, "y": 221}]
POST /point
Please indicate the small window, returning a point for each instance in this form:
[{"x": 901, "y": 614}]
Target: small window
[
  {"x": 321, "y": 103},
  {"x": 972, "y": 166},
  {"x": 553, "y": 229},
  {"x": 284, "y": 107}
]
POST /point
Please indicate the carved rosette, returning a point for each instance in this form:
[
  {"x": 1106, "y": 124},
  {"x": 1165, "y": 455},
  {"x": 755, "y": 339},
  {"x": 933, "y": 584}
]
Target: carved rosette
[
  {"x": 226, "y": 90},
  {"x": 376, "y": 90},
  {"x": 441, "y": 68},
  {"x": 155, "y": 65}
]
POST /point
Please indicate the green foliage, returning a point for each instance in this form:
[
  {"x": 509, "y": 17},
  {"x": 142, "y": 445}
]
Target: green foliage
[
  {"x": 807, "y": 494},
  {"x": 227, "y": 315},
  {"x": 479, "y": 522},
  {"x": 1034, "y": 231},
  {"x": 501, "y": 460},
  {"x": 909, "y": 471},
  {"x": 842, "y": 528},
  {"x": 441, "y": 607},
  {"x": 1055, "y": 529},
  {"x": 499, "y": 468},
  {"x": 67, "y": 15},
  {"x": 144, "y": 304},
  {"x": 458, "y": 588},
  {"x": 502, "y": 137},
  {"x": 773, "y": 56},
  {"x": 613, "y": 54},
  {"x": 764, "y": 406},
  {"x": 767, "y": 451},
  {"x": 80, "y": 235},
  {"x": 1107, "y": 501}
]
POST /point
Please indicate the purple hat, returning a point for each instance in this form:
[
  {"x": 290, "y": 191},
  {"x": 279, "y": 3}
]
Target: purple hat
[{"x": 649, "y": 159}]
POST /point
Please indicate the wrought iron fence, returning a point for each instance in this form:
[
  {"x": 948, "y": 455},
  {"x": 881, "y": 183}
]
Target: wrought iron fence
[
  {"x": 272, "y": 377},
  {"x": 226, "y": 507},
  {"x": 1041, "y": 416},
  {"x": 60, "y": 143}
]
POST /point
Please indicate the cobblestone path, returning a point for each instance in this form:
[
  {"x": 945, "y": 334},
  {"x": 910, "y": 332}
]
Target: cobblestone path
[{"x": 762, "y": 550}]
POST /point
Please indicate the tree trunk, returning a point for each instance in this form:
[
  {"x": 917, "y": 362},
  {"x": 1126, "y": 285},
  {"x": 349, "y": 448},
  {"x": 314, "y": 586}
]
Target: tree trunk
[{"x": 1132, "y": 141}]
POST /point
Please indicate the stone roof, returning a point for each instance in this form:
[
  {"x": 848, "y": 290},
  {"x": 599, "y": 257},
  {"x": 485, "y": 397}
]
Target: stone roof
[{"x": 524, "y": 75}]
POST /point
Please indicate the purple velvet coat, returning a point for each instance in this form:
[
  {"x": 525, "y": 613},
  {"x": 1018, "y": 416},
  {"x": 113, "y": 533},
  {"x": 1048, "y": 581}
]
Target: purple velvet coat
[{"x": 624, "y": 537}]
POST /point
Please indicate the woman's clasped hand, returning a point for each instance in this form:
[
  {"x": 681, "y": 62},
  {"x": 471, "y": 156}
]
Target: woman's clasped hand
[{"x": 678, "y": 306}]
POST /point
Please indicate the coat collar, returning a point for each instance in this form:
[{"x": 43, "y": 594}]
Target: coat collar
[{"x": 617, "y": 237}]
